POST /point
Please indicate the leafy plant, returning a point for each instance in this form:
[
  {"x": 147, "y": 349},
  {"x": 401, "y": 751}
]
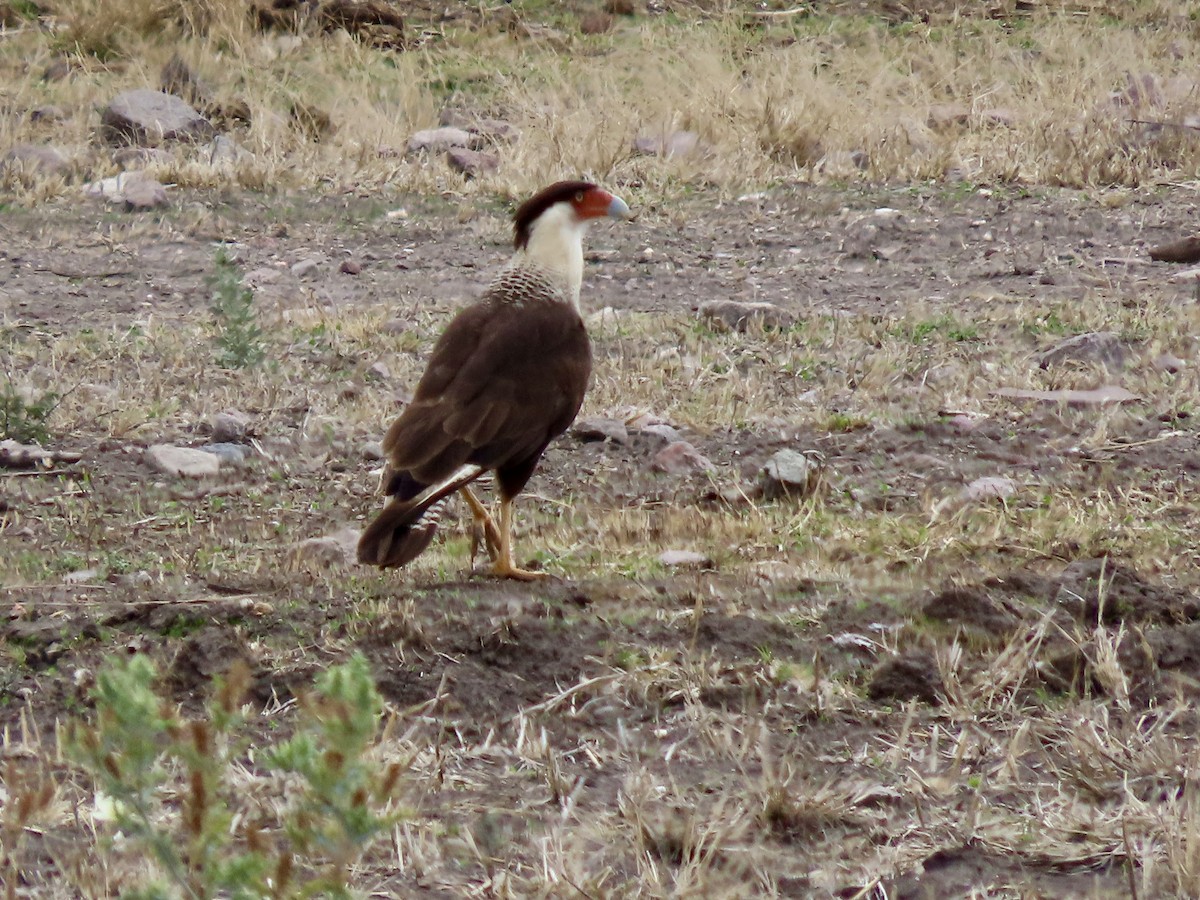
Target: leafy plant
[
  {"x": 24, "y": 419},
  {"x": 139, "y": 745},
  {"x": 239, "y": 337}
]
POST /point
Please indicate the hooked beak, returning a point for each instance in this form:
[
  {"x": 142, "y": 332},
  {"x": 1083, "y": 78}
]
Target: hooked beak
[{"x": 619, "y": 209}]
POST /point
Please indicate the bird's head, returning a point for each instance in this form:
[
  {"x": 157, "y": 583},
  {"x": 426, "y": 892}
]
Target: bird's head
[{"x": 567, "y": 205}]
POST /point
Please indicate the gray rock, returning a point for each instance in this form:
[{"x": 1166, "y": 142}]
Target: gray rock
[
  {"x": 991, "y": 487},
  {"x": 677, "y": 143},
  {"x": 47, "y": 114},
  {"x": 395, "y": 326},
  {"x": 1101, "y": 396},
  {"x": 600, "y": 429},
  {"x": 496, "y": 131},
  {"x": 733, "y": 315},
  {"x": 82, "y": 576},
  {"x": 148, "y": 118},
  {"x": 372, "y": 450},
  {"x": 337, "y": 549},
  {"x": 947, "y": 115},
  {"x": 659, "y": 432},
  {"x": 132, "y": 189},
  {"x": 791, "y": 474},
  {"x": 306, "y": 268},
  {"x": 472, "y": 163},
  {"x": 139, "y": 157},
  {"x": 439, "y": 139},
  {"x": 225, "y": 151},
  {"x": 229, "y": 427},
  {"x": 40, "y": 158},
  {"x": 144, "y": 194},
  {"x": 350, "y": 267},
  {"x": 685, "y": 559},
  {"x": 182, "y": 461},
  {"x": 679, "y": 458},
  {"x": 1168, "y": 362},
  {"x": 379, "y": 371},
  {"x": 233, "y": 454},
  {"x": 1102, "y": 347}
]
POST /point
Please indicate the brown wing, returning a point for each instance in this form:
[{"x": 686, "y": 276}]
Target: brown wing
[{"x": 502, "y": 381}]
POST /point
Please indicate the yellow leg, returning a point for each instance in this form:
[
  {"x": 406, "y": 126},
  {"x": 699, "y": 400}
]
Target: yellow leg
[
  {"x": 483, "y": 524},
  {"x": 502, "y": 566}
]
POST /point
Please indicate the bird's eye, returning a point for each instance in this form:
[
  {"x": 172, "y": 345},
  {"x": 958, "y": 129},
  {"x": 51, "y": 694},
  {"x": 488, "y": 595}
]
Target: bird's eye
[{"x": 579, "y": 197}]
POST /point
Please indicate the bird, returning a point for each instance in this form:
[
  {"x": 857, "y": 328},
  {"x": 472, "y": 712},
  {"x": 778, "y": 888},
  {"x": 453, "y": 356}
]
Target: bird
[{"x": 507, "y": 376}]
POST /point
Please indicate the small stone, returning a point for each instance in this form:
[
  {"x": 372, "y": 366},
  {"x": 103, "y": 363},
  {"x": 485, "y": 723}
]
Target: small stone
[
  {"x": 600, "y": 429},
  {"x": 913, "y": 676},
  {"x": 685, "y": 559},
  {"x": 148, "y": 118},
  {"x": 40, "y": 158},
  {"x": 472, "y": 163},
  {"x": 372, "y": 450},
  {"x": 47, "y": 114},
  {"x": 679, "y": 458},
  {"x": 395, "y": 326},
  {"x": 677, "y": 143},
  {"x": 306, "y": 268},
  {"x": 733, "y": 315},
  {"x": 234, "y": 454},
  {"x": 659, "y": 432},
  {"x": 113, "y": 188},
  {"x": 496, "y": 131},
  {"x": 842, "y": 163},
  {"x": 139, "y": 157},
  {"x": 1103, "y": 347},
  {"x": 989, "y": 488},
  {"x": 182, "y": 461},
  {"x": 947, "y": 115},
  {"x": 595, "y": 23},
  {"x": 224, "y": 150},
  {"x": 81, "y": 576},
  {"x": 379, "y": 371},
  {"x": 1101, "y": 396},
  {"x": 435, "y": 139},
  {"x": 229, "y": 427},
  {"x": 1185, "y": 250},
  {"x": 1187, "y": 276},
  {"x": 350, "y": 267},
  {"x": 1168, "y": 362},
  {"x": 1000, "y": 116},
  {"x": 144, "y": 194},
  {"x": 791, "y": 474},
  {"x": 337, "y": 549}
]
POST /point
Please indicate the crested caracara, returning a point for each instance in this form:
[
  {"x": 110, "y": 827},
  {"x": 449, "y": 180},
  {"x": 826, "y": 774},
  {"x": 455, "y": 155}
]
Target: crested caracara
[{"x": 506, "y": 377}]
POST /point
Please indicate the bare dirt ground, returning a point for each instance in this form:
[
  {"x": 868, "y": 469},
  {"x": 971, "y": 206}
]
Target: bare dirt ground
[{"x": 883, "y": 692}]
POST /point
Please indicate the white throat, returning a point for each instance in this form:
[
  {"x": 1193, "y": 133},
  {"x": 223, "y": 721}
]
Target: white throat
[{"x": 556, "y": 246}]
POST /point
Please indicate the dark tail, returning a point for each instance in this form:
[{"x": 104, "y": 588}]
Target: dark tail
[
  {"x": 399, "y": 534},
  {"x": 404, "y": 528}
]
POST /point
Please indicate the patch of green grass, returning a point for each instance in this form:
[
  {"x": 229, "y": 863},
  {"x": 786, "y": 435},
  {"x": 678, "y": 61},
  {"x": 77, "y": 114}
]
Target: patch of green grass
[
  {"x": 945, "y": 325},
  {"x": 23, "y": 418}
]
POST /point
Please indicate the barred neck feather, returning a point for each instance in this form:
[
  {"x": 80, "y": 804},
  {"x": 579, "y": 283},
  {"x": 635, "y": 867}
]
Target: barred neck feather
[{"x": 555, "y": 252}]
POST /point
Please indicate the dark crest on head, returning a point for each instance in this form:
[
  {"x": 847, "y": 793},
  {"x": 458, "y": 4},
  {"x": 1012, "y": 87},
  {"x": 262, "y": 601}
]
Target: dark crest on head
[{"x": 528, "y": 211}]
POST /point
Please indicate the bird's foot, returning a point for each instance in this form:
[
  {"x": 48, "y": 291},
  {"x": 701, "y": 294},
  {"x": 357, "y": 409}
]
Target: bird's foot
[{"x": 502, "y": 569}]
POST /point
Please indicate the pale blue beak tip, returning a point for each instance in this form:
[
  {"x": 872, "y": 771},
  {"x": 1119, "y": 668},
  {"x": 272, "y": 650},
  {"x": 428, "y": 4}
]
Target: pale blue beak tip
[{"x": 619, "y": 209}]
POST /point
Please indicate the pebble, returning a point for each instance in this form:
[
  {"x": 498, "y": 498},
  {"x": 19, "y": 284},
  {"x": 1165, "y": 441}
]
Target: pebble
[
  {"x": 680, "y": 457},
  {"x": 685, "y": 559},
  {"x": 790, "y": 473},
  {"x": 183, "y": 461},
  {"x": 229, "y": 427},
  {"x": 599, "y": 428}
]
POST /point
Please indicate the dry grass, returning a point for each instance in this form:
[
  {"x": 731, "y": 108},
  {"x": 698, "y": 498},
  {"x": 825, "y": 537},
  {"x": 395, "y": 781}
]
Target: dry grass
[
  {"x": 712, "y": 734},
  {"x": 771, "y": 99}
]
